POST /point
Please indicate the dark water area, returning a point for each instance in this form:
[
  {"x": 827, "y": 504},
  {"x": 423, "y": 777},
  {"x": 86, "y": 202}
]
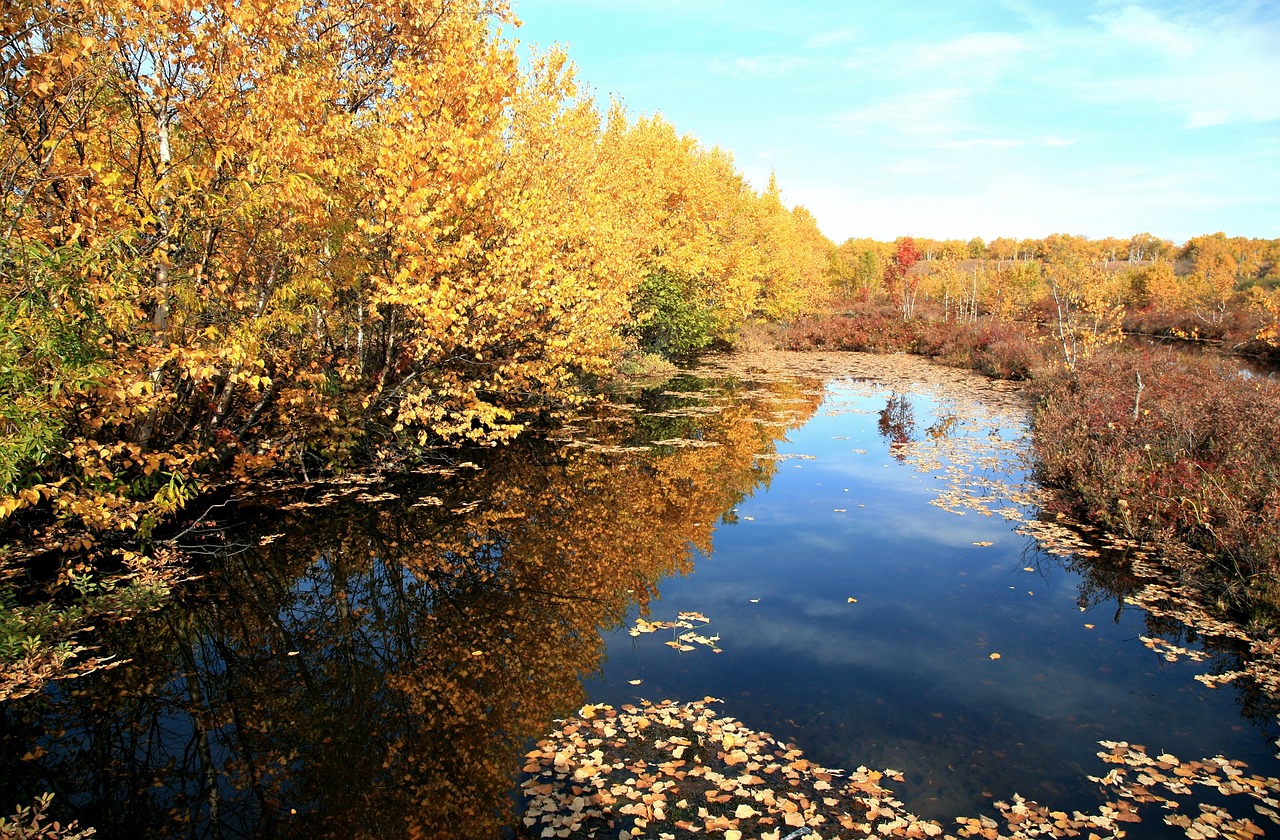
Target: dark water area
[
  {"x": 864, "y": 542},
  {"x": 1250, "y": 365}
]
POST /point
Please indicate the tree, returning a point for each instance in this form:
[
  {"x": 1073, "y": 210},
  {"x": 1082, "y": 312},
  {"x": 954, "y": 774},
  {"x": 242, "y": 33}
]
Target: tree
[
  {"x": 899, "y": 279},
  {"x": 1214, "y": 270},
  {"x": 1087, "y": 305},
  {"x": 862, "y": 264}
]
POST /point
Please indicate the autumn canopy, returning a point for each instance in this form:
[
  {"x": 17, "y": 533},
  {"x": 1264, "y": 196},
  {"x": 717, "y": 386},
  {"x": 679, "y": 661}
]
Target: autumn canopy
[{"x": 245, "y": 235}]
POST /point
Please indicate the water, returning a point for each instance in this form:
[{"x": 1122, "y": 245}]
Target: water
[{"x": 857, "y": 535}]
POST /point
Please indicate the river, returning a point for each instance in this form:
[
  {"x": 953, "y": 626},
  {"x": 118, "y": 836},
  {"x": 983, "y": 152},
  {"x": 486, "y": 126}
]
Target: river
[{"x": 847, "y": 552}]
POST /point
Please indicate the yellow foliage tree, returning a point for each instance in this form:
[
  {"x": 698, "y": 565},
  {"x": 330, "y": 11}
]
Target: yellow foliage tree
[{"x": 241, "y": 236}]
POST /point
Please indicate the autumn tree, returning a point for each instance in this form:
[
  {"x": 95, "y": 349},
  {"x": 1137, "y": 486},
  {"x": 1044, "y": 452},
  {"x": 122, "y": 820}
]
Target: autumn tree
[
  {"x": 1013, "y": 288},
  {"x": 1087, "y": 305},
  {"x": 1212, "y": 280},
  {"x": 901, "y": 282},
  {"x": 860, "y": 267},
  {"x": 1144, "y": 247}
]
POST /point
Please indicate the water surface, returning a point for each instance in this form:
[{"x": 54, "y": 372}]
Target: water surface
[{"x": 374, "y": 657}]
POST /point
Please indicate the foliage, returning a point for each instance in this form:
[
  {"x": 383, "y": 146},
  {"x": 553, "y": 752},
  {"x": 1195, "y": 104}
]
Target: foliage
[
  {"x": 1001, "y": 350},
  {"x": 31, "y": 822},
  {"x": 671, "y": 320},
  {"x": 1172, "y": 449},
  {"x": 643, "y": 769},
  {"x": 43, "y": 627},
  {"x": 241, "y": 239},
  {"x": 901, "y": 282},
  {"x": 1086, "y": 306}
]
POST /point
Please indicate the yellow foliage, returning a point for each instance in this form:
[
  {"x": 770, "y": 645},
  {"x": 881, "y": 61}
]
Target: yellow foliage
[{"x": 279, "y": 232}]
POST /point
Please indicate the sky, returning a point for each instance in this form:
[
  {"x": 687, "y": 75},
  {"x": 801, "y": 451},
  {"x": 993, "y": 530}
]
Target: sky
[{"x": 957, "y": 119}]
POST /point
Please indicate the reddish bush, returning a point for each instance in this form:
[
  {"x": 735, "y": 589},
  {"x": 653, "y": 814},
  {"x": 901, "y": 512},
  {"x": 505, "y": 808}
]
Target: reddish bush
[
  {"x": 1166, "y": 446},
  {"x": 997, "y": 349}
]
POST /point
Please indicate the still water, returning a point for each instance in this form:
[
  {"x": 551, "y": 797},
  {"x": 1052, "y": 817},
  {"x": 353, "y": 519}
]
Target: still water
[{"x": 880, "y": 582}]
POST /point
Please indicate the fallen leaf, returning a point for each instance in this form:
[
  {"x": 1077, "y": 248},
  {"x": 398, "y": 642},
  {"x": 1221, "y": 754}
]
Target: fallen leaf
[{"x": 994, "y": 656}]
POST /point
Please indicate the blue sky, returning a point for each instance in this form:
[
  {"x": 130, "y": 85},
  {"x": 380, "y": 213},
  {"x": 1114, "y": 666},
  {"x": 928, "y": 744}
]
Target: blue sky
[{"x": 960, "y": 119}]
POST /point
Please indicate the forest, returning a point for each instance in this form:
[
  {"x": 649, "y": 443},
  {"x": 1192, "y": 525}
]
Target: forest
[{"x": 300, "y": 238}]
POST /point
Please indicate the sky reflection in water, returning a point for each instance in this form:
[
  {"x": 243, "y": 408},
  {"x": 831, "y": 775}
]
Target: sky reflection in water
[{"x": 903, "y": 677}]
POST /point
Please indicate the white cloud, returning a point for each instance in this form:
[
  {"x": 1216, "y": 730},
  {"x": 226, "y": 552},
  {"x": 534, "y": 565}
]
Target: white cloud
[
  {"x": 1209, "y": 68},
  {"x": 975, "y": 58},
  {"x": 758, "y": 67},
  {"x": 833, "y": 37},
  {"x": 981, "y": 55},
  {"x": 1003, "y": 143},
  {"x": 917, "y": 114}
]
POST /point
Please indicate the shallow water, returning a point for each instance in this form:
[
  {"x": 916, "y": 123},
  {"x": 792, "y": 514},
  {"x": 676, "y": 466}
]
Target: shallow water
[{"x": 374, "y": 658}]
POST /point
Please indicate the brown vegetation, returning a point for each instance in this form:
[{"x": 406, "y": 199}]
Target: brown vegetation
[{"x": 1170, "y": 448}]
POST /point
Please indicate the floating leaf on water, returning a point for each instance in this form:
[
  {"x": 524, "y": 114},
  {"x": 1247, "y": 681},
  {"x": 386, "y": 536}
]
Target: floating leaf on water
[
  {"x": 634, "y": 682},
  {"x": 853, "y": 601},
  {"x": 994, "y": 656}
]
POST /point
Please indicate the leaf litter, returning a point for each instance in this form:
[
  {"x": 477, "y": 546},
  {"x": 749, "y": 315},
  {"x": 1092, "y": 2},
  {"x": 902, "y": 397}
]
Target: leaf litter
[{"x": 684, "y": 631}]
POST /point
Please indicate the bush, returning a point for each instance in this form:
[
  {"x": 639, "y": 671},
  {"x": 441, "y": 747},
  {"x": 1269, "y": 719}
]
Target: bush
[
  {"x": 998, "y": 349},
  {"x": 672, "y": 320},
  {"x": 1168, "y": 447}
]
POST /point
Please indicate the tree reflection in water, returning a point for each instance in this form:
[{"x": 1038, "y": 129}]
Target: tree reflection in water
[
  {"x": 897, "y": 423},
  {"x": 376, "y": 668}
]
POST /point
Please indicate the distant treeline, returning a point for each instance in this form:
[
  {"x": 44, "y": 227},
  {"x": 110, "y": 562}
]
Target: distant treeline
[{"x": 1211, "y": 287}]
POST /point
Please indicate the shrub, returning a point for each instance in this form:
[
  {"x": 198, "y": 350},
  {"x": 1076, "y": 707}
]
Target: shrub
[
  {"x": 673, "y": 321},
  {"x": 1165, "y": 446},
  {"x": 998, "y": 349}
]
